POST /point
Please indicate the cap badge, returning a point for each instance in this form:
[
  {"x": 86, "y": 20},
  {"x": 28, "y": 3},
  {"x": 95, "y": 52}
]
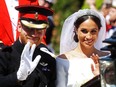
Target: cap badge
[{"x": 36, "y": 15}]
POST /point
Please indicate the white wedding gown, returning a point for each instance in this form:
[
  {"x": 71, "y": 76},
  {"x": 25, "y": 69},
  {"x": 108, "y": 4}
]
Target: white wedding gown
[{"x": 73, "y": 72}]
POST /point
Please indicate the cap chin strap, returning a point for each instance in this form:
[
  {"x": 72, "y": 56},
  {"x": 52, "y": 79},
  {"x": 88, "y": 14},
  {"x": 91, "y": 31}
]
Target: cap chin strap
[{"x": 32, "y": 25}]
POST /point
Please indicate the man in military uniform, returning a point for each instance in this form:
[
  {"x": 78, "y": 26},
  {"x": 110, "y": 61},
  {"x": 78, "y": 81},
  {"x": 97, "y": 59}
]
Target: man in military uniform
[{"x": 28, "y": 63}]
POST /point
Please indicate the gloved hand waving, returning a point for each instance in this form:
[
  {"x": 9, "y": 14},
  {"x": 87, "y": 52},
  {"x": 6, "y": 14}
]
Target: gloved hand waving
[{"x": 26, "y": 64}]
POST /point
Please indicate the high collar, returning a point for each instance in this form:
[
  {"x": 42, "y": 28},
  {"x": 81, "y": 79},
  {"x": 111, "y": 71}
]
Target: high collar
[{"x": 18, "y": 46}]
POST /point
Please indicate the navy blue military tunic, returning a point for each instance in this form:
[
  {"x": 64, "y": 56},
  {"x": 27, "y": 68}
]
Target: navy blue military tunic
[{"x": 43, "y": 76}]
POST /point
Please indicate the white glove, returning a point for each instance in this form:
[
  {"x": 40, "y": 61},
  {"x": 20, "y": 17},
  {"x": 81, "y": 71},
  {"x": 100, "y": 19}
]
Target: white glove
[{"x": 26, "y": 64}]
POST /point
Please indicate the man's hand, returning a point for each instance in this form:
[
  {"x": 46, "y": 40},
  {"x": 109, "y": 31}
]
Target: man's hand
[{"x": 26, "y": 64}]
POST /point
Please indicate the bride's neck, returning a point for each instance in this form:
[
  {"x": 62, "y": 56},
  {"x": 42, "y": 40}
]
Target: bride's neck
[{"x": 85, "y": 51}]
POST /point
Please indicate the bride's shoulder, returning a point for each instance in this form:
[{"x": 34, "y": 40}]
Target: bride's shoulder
[
  {"x": 62, "y": 60},
  {"x": 62, "y": 56},
  {"x": 67, "y": 56}
]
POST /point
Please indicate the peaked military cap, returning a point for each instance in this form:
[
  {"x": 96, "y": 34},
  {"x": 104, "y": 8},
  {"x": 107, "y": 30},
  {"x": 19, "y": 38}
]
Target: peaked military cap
[{"x": 34, "y": 16}]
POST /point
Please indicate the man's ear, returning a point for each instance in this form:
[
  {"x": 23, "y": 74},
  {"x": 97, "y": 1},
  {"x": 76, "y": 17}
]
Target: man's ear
[{"x": 19, "y": 27}]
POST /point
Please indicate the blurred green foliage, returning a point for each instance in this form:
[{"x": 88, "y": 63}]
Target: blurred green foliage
[
  {"x": 62, "y": 9},
  {"x": 98, "y": 4}
]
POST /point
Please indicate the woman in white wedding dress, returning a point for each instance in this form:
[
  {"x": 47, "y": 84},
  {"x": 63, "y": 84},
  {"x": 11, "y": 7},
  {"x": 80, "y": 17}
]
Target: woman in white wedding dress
[{"x": 81, "y": 40}]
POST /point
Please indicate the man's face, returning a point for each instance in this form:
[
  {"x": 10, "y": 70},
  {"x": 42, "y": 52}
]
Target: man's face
[
  {"x": 34, "y": 36},
  {"x": 41, "y": 2},
  {"x": 112, "y": 13},
  {"x": 44, "y": 3}
]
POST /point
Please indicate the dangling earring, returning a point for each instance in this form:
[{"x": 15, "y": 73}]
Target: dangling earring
[{"x": 75, "y": 37}]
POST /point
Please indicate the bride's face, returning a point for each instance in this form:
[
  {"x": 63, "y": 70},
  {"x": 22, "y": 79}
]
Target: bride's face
[{"x": 87, "y": 33}]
